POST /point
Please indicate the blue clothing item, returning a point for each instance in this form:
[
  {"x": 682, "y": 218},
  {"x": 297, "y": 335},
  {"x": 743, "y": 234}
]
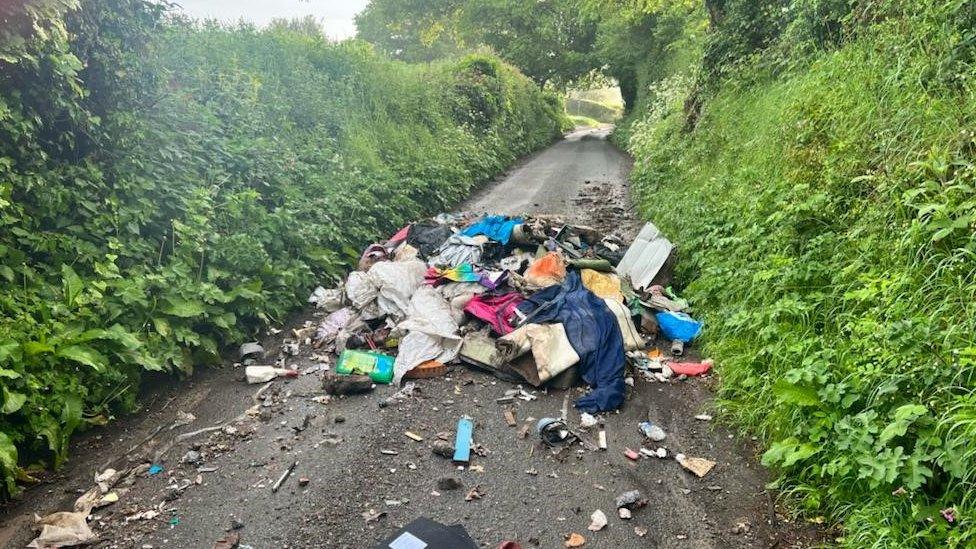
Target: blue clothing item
[
  {"x": 496, "y": 227},
  {"x": 592, "y": 331},
  {"x": 678, "y": 326}
]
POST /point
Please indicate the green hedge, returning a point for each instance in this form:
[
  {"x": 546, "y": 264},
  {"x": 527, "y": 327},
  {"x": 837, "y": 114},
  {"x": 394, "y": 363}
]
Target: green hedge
[
  {"x": 825, "y": 209},
  {"x": 167, "y": 188}
]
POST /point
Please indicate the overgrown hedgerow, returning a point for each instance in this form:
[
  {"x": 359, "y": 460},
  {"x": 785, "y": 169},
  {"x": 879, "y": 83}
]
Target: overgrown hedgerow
[
  {"x": 824, "y": 205},
  {"x": 168, "y": 187}
]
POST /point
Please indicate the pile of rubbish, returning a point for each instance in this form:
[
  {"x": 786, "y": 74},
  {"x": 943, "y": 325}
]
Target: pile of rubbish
[{"x": 529, "y": 299}]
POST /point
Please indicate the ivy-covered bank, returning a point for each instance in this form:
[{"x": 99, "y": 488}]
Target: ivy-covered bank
[
  {"x": 816, "y": 165},
  {"x": 168, "y": 187}
]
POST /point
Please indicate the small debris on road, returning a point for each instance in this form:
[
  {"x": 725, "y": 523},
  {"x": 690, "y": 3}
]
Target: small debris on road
[
  {"x": 575, "y": 540},
  {"x": 699, "y": 466},
  {"x": 598, "y": 521},
  {"x": 474, "y": 493}
]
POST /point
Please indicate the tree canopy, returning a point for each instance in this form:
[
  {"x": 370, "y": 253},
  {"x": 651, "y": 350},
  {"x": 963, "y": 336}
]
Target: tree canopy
[{"x": 551, "y": 41}]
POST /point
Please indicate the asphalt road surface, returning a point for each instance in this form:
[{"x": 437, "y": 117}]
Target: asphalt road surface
[{"x": 346, "y": 474}]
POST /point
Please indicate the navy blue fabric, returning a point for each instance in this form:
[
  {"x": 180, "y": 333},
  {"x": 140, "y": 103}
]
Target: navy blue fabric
[{"x": 593, "y": 332}]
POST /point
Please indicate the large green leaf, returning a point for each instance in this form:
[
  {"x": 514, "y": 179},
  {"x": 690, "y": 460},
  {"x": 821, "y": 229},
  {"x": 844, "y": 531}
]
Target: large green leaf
[
  {"x": 795, "y": 394},
  {"x": 7, "y": 349},
  {"x": 8, "y": 462},
  {"x": 184, "y": 308},
  {"x": 32, "y": 348},
  {"x": 71, "y": 283},
  {"x": 84, "y": 355},
  {"x": 72, "y": 412},
  {"x": 12, "y": 401}
]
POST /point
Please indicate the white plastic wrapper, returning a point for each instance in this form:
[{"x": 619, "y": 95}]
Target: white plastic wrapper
[
  {"x": 362, "y": 294},
  {"x": 432, "y": 333},
  {"x": 396, "y": 282},
  {"x": 329, "y": 300}
]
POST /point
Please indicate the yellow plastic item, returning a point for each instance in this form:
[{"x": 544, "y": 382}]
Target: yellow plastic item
[{"x": 605, "y": 285}]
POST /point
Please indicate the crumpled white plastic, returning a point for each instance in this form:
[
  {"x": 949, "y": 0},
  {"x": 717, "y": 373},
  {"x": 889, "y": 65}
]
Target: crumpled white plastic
[
  {"x": 432, "y": 333},
  {"x": 330, "y": 300},
  {"x": 396, "y": 282},
  {"x": 362, "y": 293}
]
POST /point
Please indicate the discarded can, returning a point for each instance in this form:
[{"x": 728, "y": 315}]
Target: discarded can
[
  {"x": 552, "y": 430},
  {"x": 377, "y": 366},
  {"x": 652, "y": 431}
]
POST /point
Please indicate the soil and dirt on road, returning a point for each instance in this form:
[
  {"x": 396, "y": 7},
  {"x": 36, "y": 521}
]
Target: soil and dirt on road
[{"x": 359, "y": 477}]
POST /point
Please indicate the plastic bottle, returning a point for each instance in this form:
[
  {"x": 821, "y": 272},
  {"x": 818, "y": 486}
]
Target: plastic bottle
[
  {"x": 377, "y": 366},
  {"x": 652, "y": 431}
]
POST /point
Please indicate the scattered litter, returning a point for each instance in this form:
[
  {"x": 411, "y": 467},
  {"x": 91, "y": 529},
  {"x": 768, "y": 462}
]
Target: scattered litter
[
  {"x": 335, "y": 384},
  {"x": 631, "y": 455},
  {"x": 442, "y": 448},
  {"x": 462, "y": 440},
  {"x": 598, "y": 521},
  {"x": 264, "y": 374},
  {"x": 408, "y": 390},
  {"x": 303, "y": 481},
  {"x": 378, "y": 366},
  {"x": 691, "y": 368},
  {"x": 284, "y": 476},
  {"x": 387, "y": 452},
  {"x": 602, "y": 439},
  {"x": 426, "y": 533},
  {"x": 630, "y": 500},
  {"x": 699, "y": 466},
  {"x": 575, "y": 540},
  {"x": 703, "y": 417},
  {"x": 474, "y": 493},
  {"x": 651, "y": 431},
  {"x": 678, "y": 326},
  {"x": 677, "y": 348},
  {"x": 373, "y": 515},
  {"x": 624, "y": 513},
  {"x": 250, "y": 350},
  {"x": 413, "y": 436},
  {"x": 510, "y": 420},
  {"x": 108, "y": 499},
  {"x": 553, "y": 431},
  {"x": 587, "y": 420},
  {"x": 640, "y": 531},
  {"x": 155, "y": 470}
]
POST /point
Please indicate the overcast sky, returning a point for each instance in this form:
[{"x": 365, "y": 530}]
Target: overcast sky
[{"x": 338, "y": 14}]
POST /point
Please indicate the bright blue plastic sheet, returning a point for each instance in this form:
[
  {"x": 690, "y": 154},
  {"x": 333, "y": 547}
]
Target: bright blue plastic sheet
[
  {"x": 594, "y": 334},
  {"x": 678, "y": 326},
  {"x": 496, "y": 227}
]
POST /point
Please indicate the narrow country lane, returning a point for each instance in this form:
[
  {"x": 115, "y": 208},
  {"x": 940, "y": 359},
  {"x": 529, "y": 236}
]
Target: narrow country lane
[{"x": 343, "y": 447}]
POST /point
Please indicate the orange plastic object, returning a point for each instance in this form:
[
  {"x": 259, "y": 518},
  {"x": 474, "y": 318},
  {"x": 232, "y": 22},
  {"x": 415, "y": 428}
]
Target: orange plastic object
[
  {"x": 428, "y": 369},
  {"x": 548, "y": 270}
]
